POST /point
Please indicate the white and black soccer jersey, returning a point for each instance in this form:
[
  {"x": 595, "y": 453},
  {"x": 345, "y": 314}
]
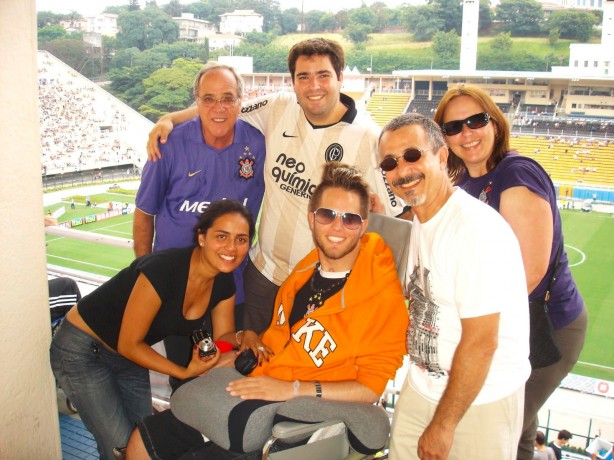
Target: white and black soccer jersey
[{"x": 295, "y": 153}]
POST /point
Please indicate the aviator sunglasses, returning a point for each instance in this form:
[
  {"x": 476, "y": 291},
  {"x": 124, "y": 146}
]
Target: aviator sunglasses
[
  {"x": 410, "y": 155},
  {"x": 479, "y": 120},
  {"x": 327, "y": 216}
]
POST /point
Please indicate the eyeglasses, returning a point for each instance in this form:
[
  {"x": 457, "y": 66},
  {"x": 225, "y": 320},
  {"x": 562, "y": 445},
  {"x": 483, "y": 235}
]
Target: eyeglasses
[
  {"x": 479, "y": 120},
  {"x": 226, "y": 102},
  {"x": 327, "y": 216},
  {"x": 410, "y": 155}
]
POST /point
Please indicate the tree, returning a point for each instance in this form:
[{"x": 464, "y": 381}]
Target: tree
[
  {"x": 173, "y": 8},
  {"x": 145, "y": 29},
  {"x": 124, "y": 58},
  {"x": 327, "y": 22},
  {"x": 446, "y": 46},
  {"x": 47, "y": 18},
  {"x": 289, "y": 20},
  {"x": 451, "y": 13},
  {"x": 312, "y": 21},
  {"x": 49, "y": 33},
  {"x": 259, "y": 38},
  {"x": 485, "y": 15},
  {"x": 169, "y": 89},
  {"x": 357, "y": 33},
  {"x": 501, "y": 43},
  {"x": 573, "y": 24},
  {"x": 523, "y": 18},
  {"x": 384, "y": 16},
  {"x": 342, "y": 18},
  {"x": 423, "y": 21},
  {"x": 75, "y": 54},
  {"x": 364, "y": 17},
  {"x": 553, "y": 36},
  {"x": 266, "y": 58}
]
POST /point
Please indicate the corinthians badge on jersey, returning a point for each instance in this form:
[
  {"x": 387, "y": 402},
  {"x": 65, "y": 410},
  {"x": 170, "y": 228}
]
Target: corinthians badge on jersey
[
  {"x": 246, "y": 164},
  {"x": 334, "y": 152}
]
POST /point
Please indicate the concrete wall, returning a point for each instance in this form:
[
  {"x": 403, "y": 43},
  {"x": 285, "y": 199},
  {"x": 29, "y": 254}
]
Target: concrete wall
[{"x": 29, "y": 425}]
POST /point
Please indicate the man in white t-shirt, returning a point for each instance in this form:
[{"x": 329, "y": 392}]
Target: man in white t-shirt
[
  {"x": 468, "y": 339},
  {"x": 303, "y": 130}
]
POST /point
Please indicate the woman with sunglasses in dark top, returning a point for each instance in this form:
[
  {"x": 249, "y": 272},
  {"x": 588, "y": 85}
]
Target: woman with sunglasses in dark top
[{"x": 481, "y": 163}]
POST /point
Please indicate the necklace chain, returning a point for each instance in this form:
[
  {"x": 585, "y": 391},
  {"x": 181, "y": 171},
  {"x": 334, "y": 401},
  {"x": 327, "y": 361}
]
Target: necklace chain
[{"x": 316, "y": 300}]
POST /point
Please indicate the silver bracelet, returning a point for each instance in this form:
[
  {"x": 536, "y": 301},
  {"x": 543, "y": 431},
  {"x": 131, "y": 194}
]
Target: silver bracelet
[{"x": 237, "y": 336}]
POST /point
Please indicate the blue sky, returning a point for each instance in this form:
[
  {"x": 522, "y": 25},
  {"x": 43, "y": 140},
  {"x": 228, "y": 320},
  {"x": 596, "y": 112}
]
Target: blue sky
[{"x": 90, "y": 7}]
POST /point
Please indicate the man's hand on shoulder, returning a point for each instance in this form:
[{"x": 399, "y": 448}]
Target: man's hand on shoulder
[{"x": 159, "y": 133}]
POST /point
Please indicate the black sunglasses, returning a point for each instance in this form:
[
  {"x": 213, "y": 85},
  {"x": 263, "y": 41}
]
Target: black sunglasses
[
  {"x": 410, "y": 155},
  {"x": 479, "y": 120},
  {"x": 327, "y": 216}
]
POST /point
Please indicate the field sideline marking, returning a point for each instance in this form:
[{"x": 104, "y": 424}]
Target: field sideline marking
[
  {"x": 581, "y": 253},
  {"x": 84, "y": 263},
  {"x": 596, "y": 365}
]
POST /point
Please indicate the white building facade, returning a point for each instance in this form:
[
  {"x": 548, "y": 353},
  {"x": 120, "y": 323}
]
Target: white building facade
[
  {"x": 241, "y": 21},
  {"x": 194, "y": 30}
]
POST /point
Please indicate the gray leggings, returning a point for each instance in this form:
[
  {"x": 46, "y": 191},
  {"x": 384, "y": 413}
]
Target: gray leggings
[{"x": 543, "y": 382}]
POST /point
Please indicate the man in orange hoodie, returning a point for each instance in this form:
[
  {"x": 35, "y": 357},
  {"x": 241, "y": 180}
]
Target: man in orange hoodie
[{"x": 338, "y": 331}]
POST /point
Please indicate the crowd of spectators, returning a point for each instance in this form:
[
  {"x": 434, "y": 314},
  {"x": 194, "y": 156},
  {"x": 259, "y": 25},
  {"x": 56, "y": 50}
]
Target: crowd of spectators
[
  {"x": 80, "y": 128},
  {"x": 597, "y": 128}
]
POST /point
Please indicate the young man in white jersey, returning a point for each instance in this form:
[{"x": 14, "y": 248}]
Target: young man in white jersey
[
  {"x": 303, "y": 130},
  {"x": 468, "y": 339}
]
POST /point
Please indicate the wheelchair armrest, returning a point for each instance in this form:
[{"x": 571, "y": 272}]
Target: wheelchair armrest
[
  {"x": 295, "y": 431},
  {"x": 368, "y": 425}
]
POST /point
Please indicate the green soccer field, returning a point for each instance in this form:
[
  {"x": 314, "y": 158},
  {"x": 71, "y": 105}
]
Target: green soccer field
[
  {"x": 588, "y": 241},
  {"x": 92, "y": 257}
]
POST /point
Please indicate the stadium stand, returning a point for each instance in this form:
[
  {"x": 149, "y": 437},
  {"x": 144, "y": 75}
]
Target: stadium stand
[
  {"x": 570, "y": 160},
  {"x": 82, "y": 126},
  {"x": 565, "y": 126},
  {"x": 423, "y": 106},
  {"x": 537, "y": 109},
  {"x": 505, "y": 107},
  {"x": 383, "y": 107}
]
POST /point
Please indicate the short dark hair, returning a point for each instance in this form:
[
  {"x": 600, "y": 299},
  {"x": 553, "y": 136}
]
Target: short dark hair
[
  {"x": 540, "y": 438},
  {"x": 431, "y": 129},
  {"x": 218, "y": 209},
  {"x": 317, "y": 47},
  {"x": 564, "y": 434},
  {"x": 346, "y": 177}
]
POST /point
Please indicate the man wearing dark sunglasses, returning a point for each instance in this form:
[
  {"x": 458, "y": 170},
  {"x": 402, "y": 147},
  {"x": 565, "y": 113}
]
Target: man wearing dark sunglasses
[
  {"x": 337, "y": 333},
  {"x": 468, "y": 336}
]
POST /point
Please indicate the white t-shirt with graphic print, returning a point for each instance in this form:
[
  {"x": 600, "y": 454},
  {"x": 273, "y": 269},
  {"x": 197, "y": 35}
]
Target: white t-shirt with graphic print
[{"x": 463, "y": 263}]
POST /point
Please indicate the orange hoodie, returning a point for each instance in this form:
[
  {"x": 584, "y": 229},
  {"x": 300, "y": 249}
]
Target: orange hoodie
[{"x": 358, "y": 334}]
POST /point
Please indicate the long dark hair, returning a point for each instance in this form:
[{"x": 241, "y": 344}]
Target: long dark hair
[{"x": 221, "y": 208}]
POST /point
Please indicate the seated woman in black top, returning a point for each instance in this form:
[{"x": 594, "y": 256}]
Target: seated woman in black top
[{"x": 101, "y": 355}]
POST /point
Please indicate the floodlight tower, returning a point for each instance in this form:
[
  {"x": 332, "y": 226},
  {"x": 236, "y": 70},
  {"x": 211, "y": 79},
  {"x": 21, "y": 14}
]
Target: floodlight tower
[
  {"x": 607, "y": 28},
  {"x": 469, "y": 35}
]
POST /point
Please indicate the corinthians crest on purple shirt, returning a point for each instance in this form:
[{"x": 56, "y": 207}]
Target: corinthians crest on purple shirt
[{"x": 246, "y": 164}]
